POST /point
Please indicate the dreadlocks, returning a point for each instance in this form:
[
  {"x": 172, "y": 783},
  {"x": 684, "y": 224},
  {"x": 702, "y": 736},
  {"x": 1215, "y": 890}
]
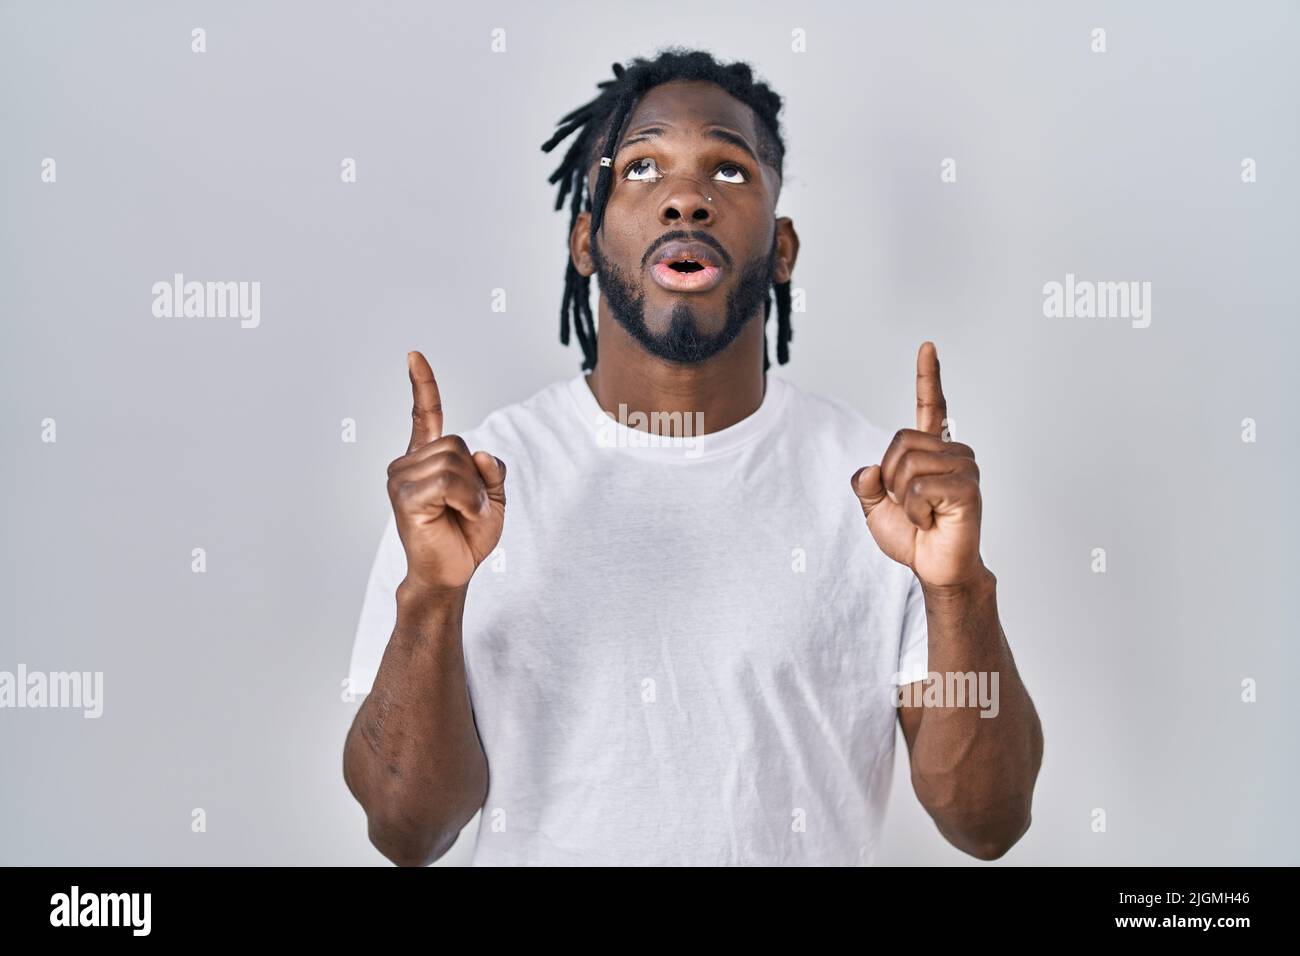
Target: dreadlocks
[{"x": 601, "y": 122}]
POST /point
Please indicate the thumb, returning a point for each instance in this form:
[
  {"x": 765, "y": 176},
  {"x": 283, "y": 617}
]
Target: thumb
[
  {"x": 869, "y": 487},
  {"x": 493, "y": 472}
]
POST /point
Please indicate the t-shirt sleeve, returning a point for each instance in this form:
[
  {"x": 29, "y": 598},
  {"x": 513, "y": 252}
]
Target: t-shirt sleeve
[
  {"x": 913, "y": 645},
  {"x": 378, "y": 610}
]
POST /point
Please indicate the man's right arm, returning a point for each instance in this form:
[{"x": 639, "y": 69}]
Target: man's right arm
[{"x": 412, "y": 757}]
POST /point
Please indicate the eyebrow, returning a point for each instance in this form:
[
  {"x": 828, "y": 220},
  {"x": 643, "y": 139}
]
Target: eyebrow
[{"x": 725, "y": 135}]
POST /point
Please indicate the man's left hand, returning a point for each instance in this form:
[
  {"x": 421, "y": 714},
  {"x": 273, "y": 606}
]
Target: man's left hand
[{"x": 922, "y": 502}]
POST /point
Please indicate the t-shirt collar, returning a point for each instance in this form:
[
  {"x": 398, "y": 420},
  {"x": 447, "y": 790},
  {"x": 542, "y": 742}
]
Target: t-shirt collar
[{"x": 691, "y": 440}]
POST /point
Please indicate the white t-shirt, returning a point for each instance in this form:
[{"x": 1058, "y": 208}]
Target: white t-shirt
[{"x": 682, "y": 651}]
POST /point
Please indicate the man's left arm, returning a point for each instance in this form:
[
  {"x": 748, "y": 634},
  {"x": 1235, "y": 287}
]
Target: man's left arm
[
  {"x": 973, "y": 735},
  {"x": 973, "y": 767}
]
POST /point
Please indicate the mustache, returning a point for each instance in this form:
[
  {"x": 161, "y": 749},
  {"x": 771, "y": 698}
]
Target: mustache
[{"x": 683, "y": 235}]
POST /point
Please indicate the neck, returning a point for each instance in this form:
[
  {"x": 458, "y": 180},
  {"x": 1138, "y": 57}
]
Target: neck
[{"x": 724, "y": 389}]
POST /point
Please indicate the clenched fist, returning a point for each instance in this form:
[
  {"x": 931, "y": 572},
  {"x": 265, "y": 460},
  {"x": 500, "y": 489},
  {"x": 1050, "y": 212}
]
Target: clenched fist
[{"x": 450, "y": 505}]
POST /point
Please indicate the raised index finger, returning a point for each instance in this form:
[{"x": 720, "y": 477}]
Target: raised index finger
[
  {"x": 426, "y": 412},
  {"x": 931, "y": 407}
]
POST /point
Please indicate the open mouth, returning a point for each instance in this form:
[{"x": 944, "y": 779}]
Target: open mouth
[
  {"x": 686, "y": 275},
  {"x": 686, "y": 266}
]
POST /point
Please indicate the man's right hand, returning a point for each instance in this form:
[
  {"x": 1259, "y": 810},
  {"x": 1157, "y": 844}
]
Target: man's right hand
[{"x": 450, "y": 505}]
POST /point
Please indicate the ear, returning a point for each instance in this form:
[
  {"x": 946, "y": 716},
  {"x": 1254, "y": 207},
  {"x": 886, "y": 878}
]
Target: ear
[
  {"x": 787, "y": 249},
  {"x": 580, "y": 245}
]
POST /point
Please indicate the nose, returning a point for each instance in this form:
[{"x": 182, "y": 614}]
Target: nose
[{"x": 686, "y": 199}]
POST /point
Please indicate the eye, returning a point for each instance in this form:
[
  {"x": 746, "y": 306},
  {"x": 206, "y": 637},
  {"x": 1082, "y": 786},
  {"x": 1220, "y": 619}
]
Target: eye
[
  {"x": 646, "y": 169},
  {"x": 736, "y": 170},
  {"x": 637, "y": 166}
]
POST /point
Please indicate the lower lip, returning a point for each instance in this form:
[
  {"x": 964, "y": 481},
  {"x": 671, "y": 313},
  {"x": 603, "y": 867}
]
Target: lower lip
[{"x": 702, "y": 280}]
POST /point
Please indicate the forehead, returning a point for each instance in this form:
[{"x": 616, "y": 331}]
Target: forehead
[
  {"x": 681, "y": 105},
  {"x": 682, "y": 108}
]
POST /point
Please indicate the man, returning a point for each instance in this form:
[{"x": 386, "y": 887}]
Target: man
[{"x": 685, "y": 647}]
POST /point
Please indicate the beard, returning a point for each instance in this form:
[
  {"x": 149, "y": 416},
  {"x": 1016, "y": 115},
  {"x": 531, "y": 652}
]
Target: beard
[{"x": 682, "y": 341}]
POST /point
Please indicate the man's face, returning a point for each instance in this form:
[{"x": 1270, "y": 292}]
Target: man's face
[{"x": 687, "y": 172}]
